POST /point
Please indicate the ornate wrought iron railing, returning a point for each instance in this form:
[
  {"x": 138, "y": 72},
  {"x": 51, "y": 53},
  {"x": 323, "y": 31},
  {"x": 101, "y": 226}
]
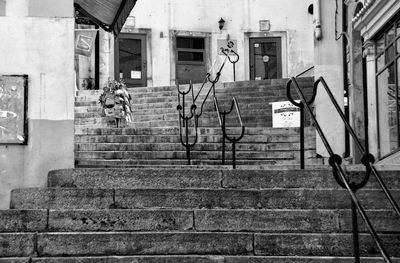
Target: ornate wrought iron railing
[
  {"x": 184, "y": 121},
  {"x": 196, "y": 112},
  {"x": 339, "y": 174},
  {"x": 222, "y": 123}
]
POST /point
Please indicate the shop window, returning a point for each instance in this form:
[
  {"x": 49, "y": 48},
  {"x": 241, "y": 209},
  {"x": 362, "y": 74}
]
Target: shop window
[{"x": 388, "y": 87}]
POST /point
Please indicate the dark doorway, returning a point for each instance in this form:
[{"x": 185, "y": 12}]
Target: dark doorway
[
  {"x": 190, "y": 59},
  {"x": 265, "y": 58},
  {"x": 130, "y": 59}
]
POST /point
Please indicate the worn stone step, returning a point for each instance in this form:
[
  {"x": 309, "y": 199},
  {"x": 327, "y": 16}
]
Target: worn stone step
[
  {"x": 207, "y": 118},
  {"x": 114, "y": 243},
  {"x": 197, "y": 220},
  {"x": 194, "y": 259},
  {"x": 202, "y": 131},
  {"x": 253, "y": 103},
  {"x": 322, "y": 244},
  {"x": 168, "y": 114},
  {"x": 268, "y": 84},
  {"x": 176, "y": 139},
  {"x": 265, "y": 94},
  {"x": 183, "y": 243},
  {"x": 293, "y": 163},
  {"x": 197, "y": 147},
  {"x": 111, "y": 122},
  {"x": 212, "y": 177},
  {"x": 63, "y": 198},
  {"x": 211, "y": 155},
  {"x": 292, "y": 221},
  {"x": 78, "y": 198}
]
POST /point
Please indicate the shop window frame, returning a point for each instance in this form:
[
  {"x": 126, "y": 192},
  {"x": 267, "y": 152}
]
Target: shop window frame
[{"x": 395, "y": 42}]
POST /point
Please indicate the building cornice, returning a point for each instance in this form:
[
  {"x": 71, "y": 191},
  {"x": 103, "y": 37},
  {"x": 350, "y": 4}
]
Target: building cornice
[{"x": 376, "y": 16}]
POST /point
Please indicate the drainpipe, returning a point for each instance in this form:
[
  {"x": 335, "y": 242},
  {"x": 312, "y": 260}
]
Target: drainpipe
[
  {"x": 317, "y": 20},
  {"x": 345, "y": 41}
]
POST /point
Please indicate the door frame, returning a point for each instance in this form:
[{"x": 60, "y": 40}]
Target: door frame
[
  {"x": 284, "y": 50},
  {"x": 276, "y": 40},
  {"x": 144, "y": 46},
  {"x": 180, "y": 33}
]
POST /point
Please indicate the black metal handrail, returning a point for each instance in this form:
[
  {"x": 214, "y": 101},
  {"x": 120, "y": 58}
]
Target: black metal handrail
[
  {"x": 227, "y": 52},
  {"x": 339, "y": 174},
  {"x": 184, "y": 119},
  {"x": 305, "y": 71},
  {"x": 222, "y": 123}
]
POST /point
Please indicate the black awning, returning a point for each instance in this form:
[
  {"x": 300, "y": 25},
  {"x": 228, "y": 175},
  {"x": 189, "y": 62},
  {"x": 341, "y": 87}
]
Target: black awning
[{"x": 107, "y": 14}]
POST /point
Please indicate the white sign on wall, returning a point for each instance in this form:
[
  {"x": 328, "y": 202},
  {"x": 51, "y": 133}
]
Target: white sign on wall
[{"x": 285, "y": 114}]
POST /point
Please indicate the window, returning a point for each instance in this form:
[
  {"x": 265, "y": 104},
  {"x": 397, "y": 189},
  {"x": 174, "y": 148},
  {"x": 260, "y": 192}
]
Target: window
[
  {"x": 388, "y": 80},
  {"x": 190, "y": 49},
  {"x": 190, "y": 59}
]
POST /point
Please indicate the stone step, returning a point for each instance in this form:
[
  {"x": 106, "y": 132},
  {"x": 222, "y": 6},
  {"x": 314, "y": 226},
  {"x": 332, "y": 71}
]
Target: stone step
[
  {"x": 183, "y": 243},
  {"x": 223, "y": 101},
  {"x": 195, "y": 259},
  {"x": 209, "y": 106},
  {"x": 198, "y": 147},
  {"x": 201, "y": 130},
  {"x": 172, "y": 114},
  {"x": 199, "y": 154},
  {"x": 192, "y": 220},
  {"x": 176, "y": 139},
  {"x": 293, "y": 163},
  {"x": 206, "y": 118},
  {"x": 265, "y": 84},
  {"x": 173, "y": 122},
  {"x": 211, "y": 177},
  {"x": 137, "y": 98},
  {"x": 279, "y": 198}
]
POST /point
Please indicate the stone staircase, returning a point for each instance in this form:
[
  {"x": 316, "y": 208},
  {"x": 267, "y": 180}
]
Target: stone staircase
[
  {"x": 190, "y": 215},
  {"x": 153, "y": 136}
]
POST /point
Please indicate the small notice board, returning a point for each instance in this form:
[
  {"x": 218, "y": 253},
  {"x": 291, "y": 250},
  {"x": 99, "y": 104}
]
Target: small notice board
[
  {"x": 285, "y": 114},
  {"x": 13, "y": 109}
]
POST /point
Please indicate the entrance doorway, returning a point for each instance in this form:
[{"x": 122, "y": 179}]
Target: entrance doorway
[
  {"x": 190, "y": 59},
  {"x": 131, "y": 60},
  {"x": 265, "y": 58}
]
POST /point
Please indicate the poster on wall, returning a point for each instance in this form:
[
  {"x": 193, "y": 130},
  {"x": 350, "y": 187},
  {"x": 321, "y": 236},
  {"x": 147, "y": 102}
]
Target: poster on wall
[
  {"x": 84, "y": 41},
  {"x": 13, "y": 109},
  {"x": 285, "y": 114}
]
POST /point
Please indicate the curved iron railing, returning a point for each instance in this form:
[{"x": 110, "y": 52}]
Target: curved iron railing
[
  {"x": 184, "y": 121},
  {"x": 335, "y": 161},
  {"x": 230, "y": 56},
  {"x": 222, "y": 123}
]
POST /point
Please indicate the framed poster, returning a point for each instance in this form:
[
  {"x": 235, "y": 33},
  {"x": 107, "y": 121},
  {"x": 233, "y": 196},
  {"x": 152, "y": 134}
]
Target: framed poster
[{"x": 13, "y": 109}]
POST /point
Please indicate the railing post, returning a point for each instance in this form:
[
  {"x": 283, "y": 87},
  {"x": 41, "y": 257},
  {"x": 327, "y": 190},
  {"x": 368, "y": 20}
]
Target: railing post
[
  {"x": 302, "y": 147},
  {"x": 234, "y": 152},
  {"x": 234, "y": 72},
  {"x": 187, "y": 140},
  {"x": 356, "y": 243},
  {"x": 223, "y": 148}
]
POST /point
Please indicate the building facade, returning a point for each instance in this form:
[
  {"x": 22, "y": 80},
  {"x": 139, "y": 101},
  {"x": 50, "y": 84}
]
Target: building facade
[
  {"x": 179, "y": 40},
  {"x": 376, "y": 25},
  {"x": 162, "y": 42}
]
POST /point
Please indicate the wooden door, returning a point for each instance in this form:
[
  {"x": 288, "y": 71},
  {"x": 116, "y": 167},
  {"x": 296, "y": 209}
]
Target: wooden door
[{"x": 131, "y": 60}]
